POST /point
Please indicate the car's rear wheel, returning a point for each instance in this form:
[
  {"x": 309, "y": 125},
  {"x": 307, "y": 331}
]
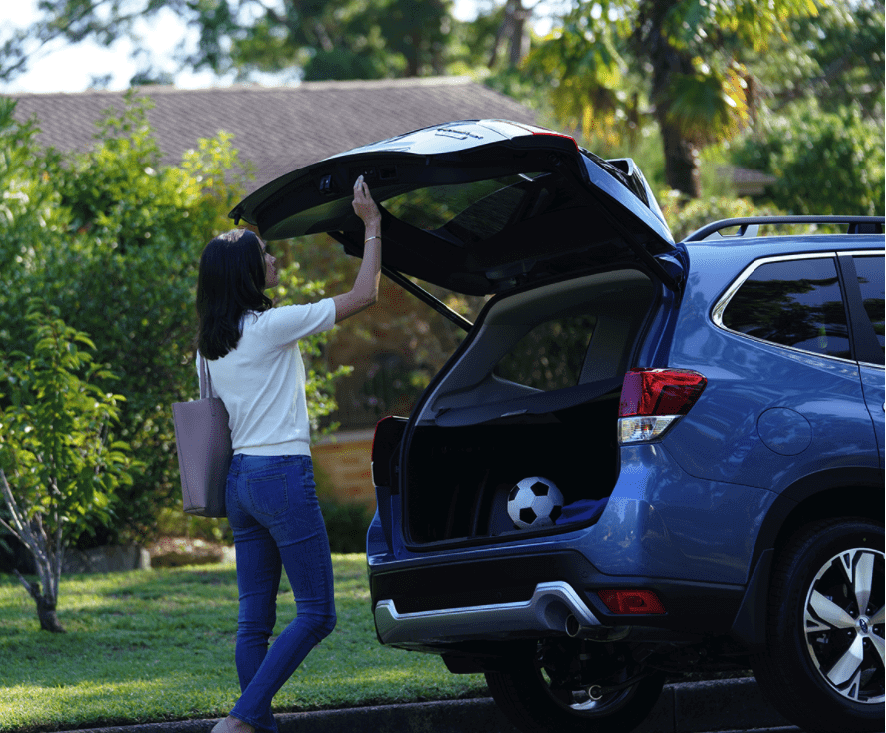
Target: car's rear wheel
[
  {"x": 823, "y": 666},
  {"x": 554, "y": 688}
]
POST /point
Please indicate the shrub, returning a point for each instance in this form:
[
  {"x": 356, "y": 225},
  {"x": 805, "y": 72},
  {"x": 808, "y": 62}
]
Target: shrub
[
  {"x": 825, "y": 163},
  {"x": 57, "y": 466},
  {"x": 346, "y": 525},
  {"x": 115, "y": 237},
  {"x": 685, "y": 215}
]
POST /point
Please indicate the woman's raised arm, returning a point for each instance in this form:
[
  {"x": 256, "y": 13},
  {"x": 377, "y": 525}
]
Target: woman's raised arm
[{"x": 365, "y": 290}]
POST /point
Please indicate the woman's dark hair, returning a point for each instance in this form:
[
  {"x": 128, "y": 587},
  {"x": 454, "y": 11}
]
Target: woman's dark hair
[{"x": 231, "y": 282}]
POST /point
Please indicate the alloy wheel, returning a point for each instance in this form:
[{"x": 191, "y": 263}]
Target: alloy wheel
[{"x": 843, "y": 624}]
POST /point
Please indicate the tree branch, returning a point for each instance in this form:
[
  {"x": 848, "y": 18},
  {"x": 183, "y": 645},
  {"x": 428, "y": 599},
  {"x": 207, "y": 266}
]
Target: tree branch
[
  {"x": 13, "y": 507},
  {"x": 834, "y": 69},
  {"x": 23, "y": 531},
  {"x": 32, "y": 588}
]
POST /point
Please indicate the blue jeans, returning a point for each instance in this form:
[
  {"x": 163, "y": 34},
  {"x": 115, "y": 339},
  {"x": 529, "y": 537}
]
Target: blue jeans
[{"x": 272, "y": 508}]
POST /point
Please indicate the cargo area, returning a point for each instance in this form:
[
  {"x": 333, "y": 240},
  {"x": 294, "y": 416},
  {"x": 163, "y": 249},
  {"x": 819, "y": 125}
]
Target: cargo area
[
  {"x": 534, "y": 394},
  {"x": 466, "y": 473}
]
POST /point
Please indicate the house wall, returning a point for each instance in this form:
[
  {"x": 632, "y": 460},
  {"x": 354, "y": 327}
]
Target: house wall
[{"x": 342, "y": 467}]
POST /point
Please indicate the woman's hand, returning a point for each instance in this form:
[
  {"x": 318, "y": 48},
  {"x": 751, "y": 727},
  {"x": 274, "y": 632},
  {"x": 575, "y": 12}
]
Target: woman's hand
[
  {"x": 249, "y": 227},
  {"x": 363, "y": 204},
  {"x": 365, "y": 290}
]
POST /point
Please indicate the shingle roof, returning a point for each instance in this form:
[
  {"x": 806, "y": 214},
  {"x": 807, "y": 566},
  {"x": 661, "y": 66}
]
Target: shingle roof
[
  {"x": 747, "y": 182},
  {"x": 277, "y": 129}
]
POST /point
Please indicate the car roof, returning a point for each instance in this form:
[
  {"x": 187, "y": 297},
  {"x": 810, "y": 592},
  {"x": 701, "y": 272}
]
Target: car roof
[
  {"x": 785, "y": 244},
  {"x": 730, "y": 258}
]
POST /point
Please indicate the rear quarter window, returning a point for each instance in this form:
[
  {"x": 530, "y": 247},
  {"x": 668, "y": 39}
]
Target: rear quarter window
[
  {"x": 796, "y": 303},
  {"x": 871, "y": 282},
  {"x": 551, "y": 355}
]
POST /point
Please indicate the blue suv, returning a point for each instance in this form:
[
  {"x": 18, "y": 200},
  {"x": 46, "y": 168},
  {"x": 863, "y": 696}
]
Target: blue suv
[{"x": 645, "y": 457}]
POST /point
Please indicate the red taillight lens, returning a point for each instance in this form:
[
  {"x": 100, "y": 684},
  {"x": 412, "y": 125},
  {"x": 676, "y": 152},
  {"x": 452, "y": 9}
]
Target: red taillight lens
[
  {"x": 648, "y": 392},
  {"x": 631, "y": 601}
]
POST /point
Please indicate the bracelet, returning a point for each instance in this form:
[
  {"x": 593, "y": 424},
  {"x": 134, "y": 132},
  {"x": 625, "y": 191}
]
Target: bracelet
[{"x": 366, "y": 241}]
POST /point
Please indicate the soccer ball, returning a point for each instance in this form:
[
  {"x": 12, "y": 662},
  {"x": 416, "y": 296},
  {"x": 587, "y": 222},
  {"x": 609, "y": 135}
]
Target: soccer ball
[{"x": 534, "y": 503}]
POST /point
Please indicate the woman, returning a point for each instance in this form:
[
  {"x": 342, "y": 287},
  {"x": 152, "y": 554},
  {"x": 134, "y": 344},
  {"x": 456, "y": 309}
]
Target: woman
[{"x": 255, "y": 366}]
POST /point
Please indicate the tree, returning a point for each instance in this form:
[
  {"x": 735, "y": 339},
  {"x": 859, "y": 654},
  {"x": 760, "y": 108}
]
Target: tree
[
  {"x": 315, "y": 39},
  {"x": 513, "y": 32},
  {"x": 687, "y": 58},
  {"x": 56, "y": 463},
  {"x": 824, "y": 163},
  {"x": 120, "y": 250},
  {"x": 115, "y": 237},
  {"x": 835, "y": 58},
  {"x": 304, "y": 39}
]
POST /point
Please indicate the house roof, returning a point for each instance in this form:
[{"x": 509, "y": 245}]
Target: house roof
[
  {"x": 276, "y": 129},
  {"x": 747, "y": 182}
]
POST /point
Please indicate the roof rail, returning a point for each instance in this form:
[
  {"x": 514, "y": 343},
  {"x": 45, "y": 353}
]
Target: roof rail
[{"x": 749, "y": 226}]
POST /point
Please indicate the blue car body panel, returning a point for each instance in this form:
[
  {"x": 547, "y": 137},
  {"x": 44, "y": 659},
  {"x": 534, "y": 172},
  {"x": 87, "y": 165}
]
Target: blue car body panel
[{"x": 692, "y": 507}]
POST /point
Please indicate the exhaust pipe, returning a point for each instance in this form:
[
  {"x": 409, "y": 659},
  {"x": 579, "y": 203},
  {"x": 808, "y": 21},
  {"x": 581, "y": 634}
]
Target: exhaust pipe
[{"x": 573, "y": 627}]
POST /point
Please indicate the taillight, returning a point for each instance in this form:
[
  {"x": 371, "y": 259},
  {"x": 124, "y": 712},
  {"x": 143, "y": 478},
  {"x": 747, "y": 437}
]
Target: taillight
[
  {"x": 388, "y": 433},
  {"x": 654, "y": 399}
]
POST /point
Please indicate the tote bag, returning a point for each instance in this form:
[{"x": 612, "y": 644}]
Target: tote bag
[{"x": 203, "y": 439}]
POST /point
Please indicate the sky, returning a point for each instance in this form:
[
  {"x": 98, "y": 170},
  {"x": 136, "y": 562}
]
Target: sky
[{"x": 71, "y": 68}]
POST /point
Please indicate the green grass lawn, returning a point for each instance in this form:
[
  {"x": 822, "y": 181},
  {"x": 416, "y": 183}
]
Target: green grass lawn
[{"x": 158, "y": 645}]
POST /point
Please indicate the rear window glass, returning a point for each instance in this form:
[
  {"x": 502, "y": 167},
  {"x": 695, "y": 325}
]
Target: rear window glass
[
  {"x": 551, "y": 355},
  {"x": 794, "y": 303},
  {"x": 870, "y": 280},
  {"x": 475, "y": 210}
]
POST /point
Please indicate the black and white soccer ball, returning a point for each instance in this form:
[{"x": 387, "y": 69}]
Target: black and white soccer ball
[{"x": 535, "y": 503}]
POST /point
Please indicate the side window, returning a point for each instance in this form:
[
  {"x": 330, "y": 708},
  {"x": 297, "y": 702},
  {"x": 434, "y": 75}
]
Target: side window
[
  {"x": 551, "y": 355},
  {"x": 870, "y": 280},
  {"x": 794, "y": 303}
]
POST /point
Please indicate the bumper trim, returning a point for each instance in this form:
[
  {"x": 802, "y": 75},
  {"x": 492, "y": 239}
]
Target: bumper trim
[{"x": 554, "y": 607}]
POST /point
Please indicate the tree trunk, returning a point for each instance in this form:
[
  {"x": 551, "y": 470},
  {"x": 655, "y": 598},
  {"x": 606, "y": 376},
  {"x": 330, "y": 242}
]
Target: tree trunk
[
  {"x": 513, "y": 32},
  {"x": 681, "y": 161},
  {"x": 680, "y": 154},
  {"x": 47, "y": 615},
  {"x": 48, "y": 555},
  {"x": 519, "y": 46},
  {"x": 46, "y": 607},
  {"x": 412, "y": 56}
]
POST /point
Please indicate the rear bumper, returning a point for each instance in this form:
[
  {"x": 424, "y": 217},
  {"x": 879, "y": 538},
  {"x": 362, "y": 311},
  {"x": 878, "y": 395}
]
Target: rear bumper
[
  {"x": 435, "y": 605},
  {"x": 554, "y": 608}
]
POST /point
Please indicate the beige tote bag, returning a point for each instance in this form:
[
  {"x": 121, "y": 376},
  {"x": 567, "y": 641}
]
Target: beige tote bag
[{"x": 203, "y": 439}]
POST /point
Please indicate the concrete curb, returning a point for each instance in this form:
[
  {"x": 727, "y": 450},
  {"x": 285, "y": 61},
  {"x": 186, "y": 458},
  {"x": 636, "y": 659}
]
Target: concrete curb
[{"x": 690, "y": 707}]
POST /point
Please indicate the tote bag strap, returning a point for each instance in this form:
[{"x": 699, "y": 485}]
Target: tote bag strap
[{"x": 205, "y": 380}]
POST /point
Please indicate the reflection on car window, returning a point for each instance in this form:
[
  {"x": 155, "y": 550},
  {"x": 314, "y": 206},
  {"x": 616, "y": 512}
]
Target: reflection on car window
[
  {"x": 793, "y": 303},
  {"x": 478, "y": 209},
  {"x": 551, "y": 355},
  {"x": 870, "y": 280}
]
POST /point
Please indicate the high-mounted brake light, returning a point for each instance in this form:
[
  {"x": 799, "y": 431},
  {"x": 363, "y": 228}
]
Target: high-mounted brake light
[
  {"x": 557, "y": 134},
  {"x": 654, "y": 399}
]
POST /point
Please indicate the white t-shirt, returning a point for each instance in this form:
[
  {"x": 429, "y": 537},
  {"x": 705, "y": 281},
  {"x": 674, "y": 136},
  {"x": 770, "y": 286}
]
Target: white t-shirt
[{"x": 262, "y": 381}]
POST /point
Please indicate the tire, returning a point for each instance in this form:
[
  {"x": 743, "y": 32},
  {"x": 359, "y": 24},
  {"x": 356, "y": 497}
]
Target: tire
[
  {"x": 823, "y": 663},
  {"x": 523, "y": 690}
]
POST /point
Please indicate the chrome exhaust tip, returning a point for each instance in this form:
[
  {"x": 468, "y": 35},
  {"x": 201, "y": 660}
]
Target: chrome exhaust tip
[{"x": 573, "y": 627}]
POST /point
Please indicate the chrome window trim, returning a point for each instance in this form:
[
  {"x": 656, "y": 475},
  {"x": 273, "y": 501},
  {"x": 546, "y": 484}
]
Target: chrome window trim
[
  {"x": 862, "y": 253},
  {"x": 720, "y": 306}
]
